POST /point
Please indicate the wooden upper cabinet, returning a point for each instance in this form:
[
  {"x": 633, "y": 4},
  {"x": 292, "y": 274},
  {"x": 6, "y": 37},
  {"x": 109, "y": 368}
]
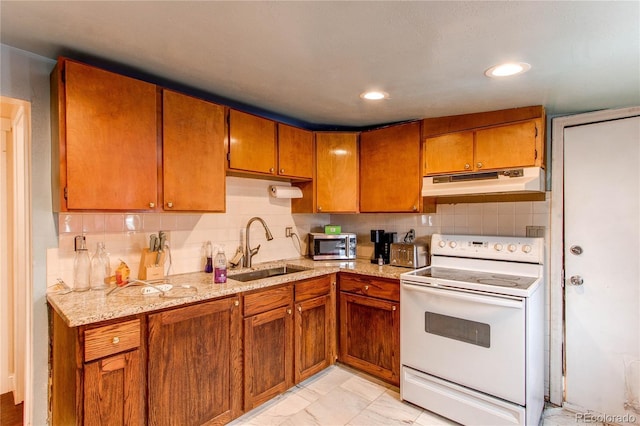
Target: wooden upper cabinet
[
  {"x": 515, "y": 145},
  {"x": 390, "y": 169},
  {"x": 295, "y": 152},
  {"x": 193, "y": 154},
  {"x": 107, "y": 137},
  {"x": 484, "y": 141},
  {"x": 252, "y": 143},
  {"x": 448, "y": 153},
  {"x": 337, "y": 172}
]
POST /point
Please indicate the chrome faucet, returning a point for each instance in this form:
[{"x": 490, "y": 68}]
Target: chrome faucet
[{"x": 248, "y": 251}]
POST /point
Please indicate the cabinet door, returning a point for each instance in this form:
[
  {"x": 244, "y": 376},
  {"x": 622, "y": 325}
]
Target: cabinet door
[
  {"x": 295, "y": 152},
  {"x": 390, "y": 169},
  {"x": 312, "y": 336},
  {"x": 268, "y": 355},
  {"x": 515, "y": 145},
  {"x": 195, "y": 364},
  {"x": 252, "y": 143},
  {"x": 193, "y": 157},
  {"x": 452, "y": 153},
  {"x": 337, "y": 172},
  {"x": 370, "y": 335},
  {"x": 114, "y": 390},
  {"x": 110, "y": 145}
]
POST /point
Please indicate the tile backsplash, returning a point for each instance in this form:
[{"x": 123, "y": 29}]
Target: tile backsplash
[{"x": 126, "y": 234}]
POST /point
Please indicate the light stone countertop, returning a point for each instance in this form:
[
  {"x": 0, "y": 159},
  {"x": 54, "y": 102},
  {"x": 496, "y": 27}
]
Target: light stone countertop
[{"x": 82, "y": 308}]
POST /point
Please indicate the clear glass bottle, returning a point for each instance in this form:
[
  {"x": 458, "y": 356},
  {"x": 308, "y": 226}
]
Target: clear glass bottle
[
  {"x": 81, "y": 265},
  {"x": 220, "y": 267},
  {"x": 100, "y": 268}
]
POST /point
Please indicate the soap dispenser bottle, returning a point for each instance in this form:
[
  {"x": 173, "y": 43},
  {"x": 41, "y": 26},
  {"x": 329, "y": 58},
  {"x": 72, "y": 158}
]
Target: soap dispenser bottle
[
  {"x": 81, "y": 265},
  {"x": 208, "y": 252},
  {"x": 220, "y": 267}
]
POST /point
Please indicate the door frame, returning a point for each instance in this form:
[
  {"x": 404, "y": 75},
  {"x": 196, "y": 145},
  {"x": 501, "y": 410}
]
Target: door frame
[{"x": 556, "y": 268}]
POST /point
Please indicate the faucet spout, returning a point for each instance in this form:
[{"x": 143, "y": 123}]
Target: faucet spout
[{"x": 249, "y": 252}]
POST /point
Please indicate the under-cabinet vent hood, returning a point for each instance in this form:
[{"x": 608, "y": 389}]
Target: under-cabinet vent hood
[{"x": 509, "y": 181}]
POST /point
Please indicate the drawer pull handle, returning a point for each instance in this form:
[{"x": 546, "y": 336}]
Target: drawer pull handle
[
  {"x": 299, "y": 308},
  {"x": 115, "y": 340},
  {"x": 393, "y": 308},
  {"x": 236, "y": 303},
  {"x": 366, "y": 288},
  {"x": 289, "y": 311}
]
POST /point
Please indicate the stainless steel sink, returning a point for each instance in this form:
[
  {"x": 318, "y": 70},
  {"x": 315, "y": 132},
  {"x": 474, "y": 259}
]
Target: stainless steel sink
[{"x": 267, "y": 273}]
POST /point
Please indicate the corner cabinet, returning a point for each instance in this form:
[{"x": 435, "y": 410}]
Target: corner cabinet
[
  {"x": 195, "y": 364},
  {"x": 337, "y": 165},
  {"x": 98, "y": 374},
  {"x": 390, "y": 169},
  {"x": 104, "y": 138},
  {"x": 193, "y": 153},
  {"x": 370, "y": 325}
]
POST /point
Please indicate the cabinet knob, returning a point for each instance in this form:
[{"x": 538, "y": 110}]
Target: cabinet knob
[
  {"x": 393, "y": 308},
  {"x": 115, "y": 340},
  {"x": 170, "y": 204},
  {"x": 271, "y": 170},
  {"x": 319, "y": 208},
  {"x": 467, "y": 166},
  {"x": 366, "y": 288},
  {"x": 152, "y": 205},
  {"x": 299, "y": 308},
  {"x": 479, "y": 165},
  {"x": 289, "y": 311},
  {"x": 282, "y": 171},
  {"x": 415, "y": 208},
  {"x": 236, "y": 303}
]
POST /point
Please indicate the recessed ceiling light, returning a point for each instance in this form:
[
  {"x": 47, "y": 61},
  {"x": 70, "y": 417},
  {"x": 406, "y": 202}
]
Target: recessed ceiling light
[
  {"x": 508, "y": 69},
  {"x": 374, "y": 95}
]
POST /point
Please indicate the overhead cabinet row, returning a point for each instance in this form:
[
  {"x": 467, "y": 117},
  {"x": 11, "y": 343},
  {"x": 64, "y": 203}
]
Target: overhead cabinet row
[{"x": 124, "y": 144}]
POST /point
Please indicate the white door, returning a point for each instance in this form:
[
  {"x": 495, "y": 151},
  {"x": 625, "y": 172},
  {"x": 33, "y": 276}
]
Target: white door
[{"x": 602, "y": 253}]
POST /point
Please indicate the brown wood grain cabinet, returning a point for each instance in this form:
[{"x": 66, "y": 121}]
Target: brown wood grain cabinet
[
  {"x": 484, "y": 141},
  {"x": 193, "y": 153},
  {"x": 268, "y": 344},
  {"x": 391, "y": 169},
  {"x": 314, "y": 318},
  {"x": 252, "y": 143},
  {"x": 369, "y": 324},
  {"x": 337, "y": 165},
  {"x": 295, "y": 152},
  {"x": 195, "y": 364},
  {"x": 104, "y": 138},
  {"x": 98, "y": 373}
]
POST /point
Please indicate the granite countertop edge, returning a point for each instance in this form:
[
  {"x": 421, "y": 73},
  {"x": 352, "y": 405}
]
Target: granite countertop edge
[{"x": 89, "y": 307}]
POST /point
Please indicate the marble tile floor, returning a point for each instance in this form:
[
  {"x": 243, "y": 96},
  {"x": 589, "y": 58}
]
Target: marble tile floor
[{"x": 340, "y": 396}]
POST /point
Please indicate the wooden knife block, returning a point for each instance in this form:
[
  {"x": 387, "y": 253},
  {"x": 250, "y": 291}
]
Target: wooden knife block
[{"x": 149, "y": 270}]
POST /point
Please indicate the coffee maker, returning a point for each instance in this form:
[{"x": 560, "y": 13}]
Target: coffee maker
[{"x": 382, "y": 245}]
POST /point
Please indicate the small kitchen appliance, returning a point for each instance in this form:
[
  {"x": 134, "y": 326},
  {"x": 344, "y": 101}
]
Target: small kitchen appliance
[
  {"x": 409, "y": 255},
  {"x": 472, "y": 330},
  {"x": 382, "y": 245},
  {"x": 332, "y": 246}
]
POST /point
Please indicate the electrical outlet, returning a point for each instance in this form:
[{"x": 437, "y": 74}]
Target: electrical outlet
[
  {"x": 287, "y": 231},
  {"x": 535, "y": 231}
]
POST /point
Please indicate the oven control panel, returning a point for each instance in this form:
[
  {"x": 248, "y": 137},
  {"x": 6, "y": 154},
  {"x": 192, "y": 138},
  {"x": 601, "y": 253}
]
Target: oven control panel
[{"x": 517, "y": 249}]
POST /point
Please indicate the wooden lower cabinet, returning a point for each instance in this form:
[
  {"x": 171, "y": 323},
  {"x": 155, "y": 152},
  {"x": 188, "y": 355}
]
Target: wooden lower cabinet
[
  {"x": 268, "y": 344},
  {"x": 195, "y": 364},
  {"x": 370, "y": 328},
  {"x": 315, "y": 337}
]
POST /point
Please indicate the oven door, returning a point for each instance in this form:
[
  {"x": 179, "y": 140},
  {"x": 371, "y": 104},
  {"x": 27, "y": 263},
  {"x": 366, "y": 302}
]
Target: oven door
[{"x": 470, "y": 338}]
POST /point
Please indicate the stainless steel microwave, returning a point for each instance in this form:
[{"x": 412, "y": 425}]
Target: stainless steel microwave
[{"x": 330, "y": 247}]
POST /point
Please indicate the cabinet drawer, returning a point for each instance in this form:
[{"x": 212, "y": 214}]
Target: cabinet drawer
[
  {"x": 265, "y": 300},
  {"x": 313, "y": 287},
  {"x": 370, "y": 286},
  {"x": 111, "y": 339}
]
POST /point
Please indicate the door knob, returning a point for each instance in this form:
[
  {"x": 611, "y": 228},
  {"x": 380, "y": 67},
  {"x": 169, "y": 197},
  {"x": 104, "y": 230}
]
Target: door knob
[
  {"x": 576, "y": 280},
  {"x": 577, "y": 250}
]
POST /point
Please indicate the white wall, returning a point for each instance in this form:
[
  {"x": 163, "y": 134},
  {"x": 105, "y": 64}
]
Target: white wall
[{"x": 25, "y": 76}]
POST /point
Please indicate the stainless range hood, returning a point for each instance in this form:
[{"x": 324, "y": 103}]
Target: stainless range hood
[{"x": 509, "y": 181}]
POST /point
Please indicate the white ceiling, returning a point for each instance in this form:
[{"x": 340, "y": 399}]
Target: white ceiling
[{"x": 310, "y": 60}]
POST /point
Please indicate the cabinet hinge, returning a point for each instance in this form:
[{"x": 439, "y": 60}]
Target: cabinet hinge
[
  {"x": 66, "y": 193},
  {"x": 228, "y": 156},
  {"x": 63, "y": 75},
  {"x": 536, "y": 131},
  {"x": 535, "y": 157}
]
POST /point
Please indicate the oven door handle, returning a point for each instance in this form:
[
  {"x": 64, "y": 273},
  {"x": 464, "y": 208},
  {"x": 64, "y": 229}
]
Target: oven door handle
[{"x": 462, "y": 295}]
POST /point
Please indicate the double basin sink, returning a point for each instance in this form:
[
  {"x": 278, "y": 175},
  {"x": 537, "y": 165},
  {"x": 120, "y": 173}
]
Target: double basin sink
[{"x": 267, "y": 273}]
